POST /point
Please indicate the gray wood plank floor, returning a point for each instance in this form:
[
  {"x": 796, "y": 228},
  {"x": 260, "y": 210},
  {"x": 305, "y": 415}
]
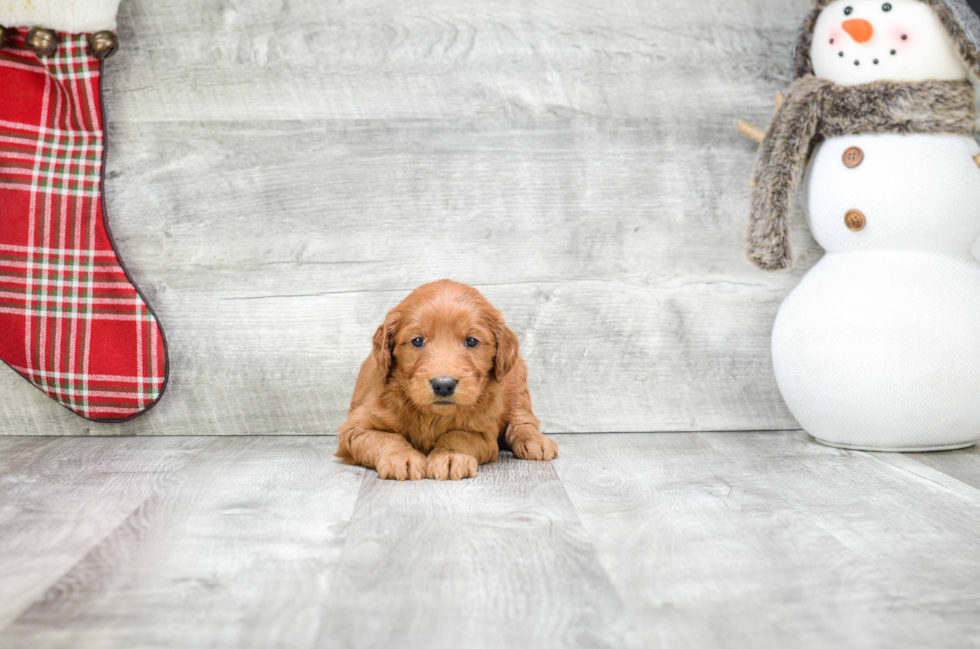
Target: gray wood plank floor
[{"x": 628, "y": 540}]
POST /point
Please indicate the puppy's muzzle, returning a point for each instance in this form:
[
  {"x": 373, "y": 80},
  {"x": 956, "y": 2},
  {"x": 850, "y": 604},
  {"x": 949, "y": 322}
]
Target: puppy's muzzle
[{"x": 444, "y": 386}]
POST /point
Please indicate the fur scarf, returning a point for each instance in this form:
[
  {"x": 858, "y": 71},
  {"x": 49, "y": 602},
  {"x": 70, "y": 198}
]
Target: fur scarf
[{"x": 815, "y": 109}]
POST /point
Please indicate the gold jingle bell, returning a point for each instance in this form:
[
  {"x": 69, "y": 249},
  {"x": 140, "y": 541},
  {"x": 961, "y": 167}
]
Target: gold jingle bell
[
  {"x": 103, "y": 44},
  {"x": 43, "y": 41},
  {"x": 3, "y": 36}
]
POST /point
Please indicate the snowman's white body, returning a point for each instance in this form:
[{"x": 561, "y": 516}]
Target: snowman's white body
[{"x": 879, "y": 345}]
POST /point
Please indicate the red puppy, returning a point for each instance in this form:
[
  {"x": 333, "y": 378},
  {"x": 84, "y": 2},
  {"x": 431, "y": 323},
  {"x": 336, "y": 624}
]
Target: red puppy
[{"x": 443, "y": 388}]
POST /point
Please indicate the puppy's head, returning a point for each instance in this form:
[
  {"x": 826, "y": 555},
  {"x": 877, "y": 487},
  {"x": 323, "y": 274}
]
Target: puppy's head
[{"x": 443, "y": 345}]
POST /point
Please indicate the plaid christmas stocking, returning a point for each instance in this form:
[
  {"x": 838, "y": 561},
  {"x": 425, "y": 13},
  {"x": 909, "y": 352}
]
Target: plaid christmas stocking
[{"x": 71, "y": 320}]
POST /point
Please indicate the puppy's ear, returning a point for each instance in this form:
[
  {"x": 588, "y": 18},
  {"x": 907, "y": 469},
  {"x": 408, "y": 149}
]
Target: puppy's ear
[
  {"x": 384, "y": 344},
  {"x": 507, "y": 350}
]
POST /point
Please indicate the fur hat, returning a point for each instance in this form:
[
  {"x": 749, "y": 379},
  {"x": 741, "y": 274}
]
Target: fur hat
[{"x": 960, "y": 21}]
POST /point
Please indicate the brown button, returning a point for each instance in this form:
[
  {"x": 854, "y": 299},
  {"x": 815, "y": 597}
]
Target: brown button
[
  {"x": 854, "y": 220},
  {"x": 853, "y": 157}
]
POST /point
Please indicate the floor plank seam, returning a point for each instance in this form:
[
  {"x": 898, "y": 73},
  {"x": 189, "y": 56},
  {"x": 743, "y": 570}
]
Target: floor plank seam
[
  {"x": 631, "y": 547},
  {"x": 169, "y": 483},
  {"x": 901, "y": 458},
  {"x": 634, "y": 627},
  {"x": 799, "y": 511},
  {"x": 332, "y": 580},
  {"x": 57, "y": 580}
]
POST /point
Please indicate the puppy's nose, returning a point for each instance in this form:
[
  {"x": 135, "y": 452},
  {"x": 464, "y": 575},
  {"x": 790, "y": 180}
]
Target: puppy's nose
[
  {"x": 444, "y": 386},
  {"x": 859, "y": 29}
]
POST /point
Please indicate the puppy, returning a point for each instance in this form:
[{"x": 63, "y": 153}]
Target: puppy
[{"x": 443, "y": 389}]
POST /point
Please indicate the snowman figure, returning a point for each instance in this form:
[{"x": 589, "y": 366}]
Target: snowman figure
[{"x": 878, "y": 347}]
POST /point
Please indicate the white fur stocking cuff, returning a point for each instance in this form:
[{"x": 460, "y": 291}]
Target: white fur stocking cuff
[{"x": 73, "y": 16}]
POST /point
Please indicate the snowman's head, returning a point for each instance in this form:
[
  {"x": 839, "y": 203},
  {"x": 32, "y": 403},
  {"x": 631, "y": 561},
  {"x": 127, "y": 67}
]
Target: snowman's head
[{"x": 860, "y": 41}]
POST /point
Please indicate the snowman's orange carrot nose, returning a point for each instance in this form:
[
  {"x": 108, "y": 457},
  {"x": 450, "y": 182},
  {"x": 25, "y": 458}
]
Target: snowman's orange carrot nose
[{"x": 859, "y": 29}]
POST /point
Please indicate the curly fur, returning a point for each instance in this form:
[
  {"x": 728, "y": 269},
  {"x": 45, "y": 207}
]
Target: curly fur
[
  {"x": 815, "y": 109},
  {"x": 399, "y": 426}
]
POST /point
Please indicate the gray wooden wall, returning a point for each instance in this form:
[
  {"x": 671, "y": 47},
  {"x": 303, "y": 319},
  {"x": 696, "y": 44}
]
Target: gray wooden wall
[{"x": 281, "y": 173}]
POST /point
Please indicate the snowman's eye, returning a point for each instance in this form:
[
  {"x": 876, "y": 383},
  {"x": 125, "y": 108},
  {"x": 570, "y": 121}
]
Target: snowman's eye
[
  {"x": 848, "y": 10},
  {"x": 886, "y": 7}
]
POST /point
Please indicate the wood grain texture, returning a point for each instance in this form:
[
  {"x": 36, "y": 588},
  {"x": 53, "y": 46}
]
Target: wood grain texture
[
  {"x": 681, "y": 540},
  {"x": 280, "y": 174},
  {"x": 60, "y": 498},
  {"x": 964, "y": 464},
  {"x": 771, "y": 540},
  {"x": 237, "y": 554},
  {"x": 497, "y": 561}
]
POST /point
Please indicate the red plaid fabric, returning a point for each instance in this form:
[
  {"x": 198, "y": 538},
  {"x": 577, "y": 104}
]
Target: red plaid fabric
[{"x": 71, "y": 320}]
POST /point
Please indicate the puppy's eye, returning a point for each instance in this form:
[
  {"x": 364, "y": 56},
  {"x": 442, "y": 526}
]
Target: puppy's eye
[
  {"x": 886, "y": 7},
  {"x": 848, "y": 10},
  {"x": 471, "y": 342},
  {"x": 418, "y": 342}
]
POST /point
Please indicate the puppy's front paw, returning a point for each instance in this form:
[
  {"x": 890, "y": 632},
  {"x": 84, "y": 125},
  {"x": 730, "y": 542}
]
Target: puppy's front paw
[
  {"x": 402, "y": 466},
  {"x": 535, "y": 447},
  {"x": 450, "y": 466}
]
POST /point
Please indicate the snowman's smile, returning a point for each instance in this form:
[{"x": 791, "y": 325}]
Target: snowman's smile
[
  {"x": 860, "y": 41},
  {"x": 858, "y": 55}
]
